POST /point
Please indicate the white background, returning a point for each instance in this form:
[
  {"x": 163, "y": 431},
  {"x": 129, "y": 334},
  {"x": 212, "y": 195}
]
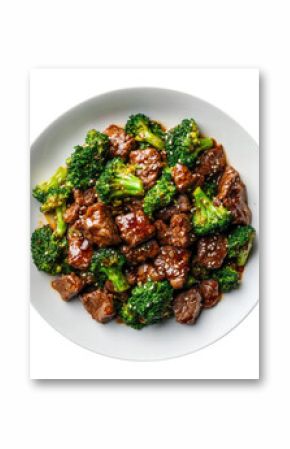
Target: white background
[
  {"x": 170, "y": 414},
  {"x": 234, "y": 357}
]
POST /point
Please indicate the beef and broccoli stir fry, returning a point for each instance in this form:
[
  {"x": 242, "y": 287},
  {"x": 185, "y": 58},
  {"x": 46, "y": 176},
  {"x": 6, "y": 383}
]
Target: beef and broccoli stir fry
[{"x": 144, "y": 223}]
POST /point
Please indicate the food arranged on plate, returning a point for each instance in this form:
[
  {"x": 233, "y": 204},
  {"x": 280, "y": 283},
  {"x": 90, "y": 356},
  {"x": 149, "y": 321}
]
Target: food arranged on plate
[{"x": 144, "y": 224}]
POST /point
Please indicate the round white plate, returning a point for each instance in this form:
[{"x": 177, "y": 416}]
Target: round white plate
[{"x": 168, "y": 339}]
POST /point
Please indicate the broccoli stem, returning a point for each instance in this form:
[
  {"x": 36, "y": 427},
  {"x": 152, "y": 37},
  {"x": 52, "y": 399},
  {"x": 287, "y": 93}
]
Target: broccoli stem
[
  {"x": 60, "y": 223},
  {"x": 154, "y": 140},
  {"x": 127, "y": 185},
  {"x": 118, "y": 279},
  {"x": 244, "y": 253}
]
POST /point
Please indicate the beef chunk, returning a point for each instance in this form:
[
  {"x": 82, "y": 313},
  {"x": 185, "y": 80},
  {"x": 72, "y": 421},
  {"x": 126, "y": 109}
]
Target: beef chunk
[
  {"x": 99, "y": 227},
  {"x": 86, "y": 197},
  {"x": 120, "y": 143},
  {"x": 72, "y": 213},
  {"x": 211, "y": 251},
  {"x": 131, "y": 276},
  {"x": 135, "y": 227},
  {"x": 148, "y": 164},
  {"x": 211, "y": 162},
  {"x": 139, "y": 254},
  {"x": 68, "y": 285},
  {"x": 187, "y": 306},
  {"x": 80, "y": 250},
  {"x": 184, "y": 179},
  {"x": 181, "y": 204},
  {"x": 209, "y": 290},
  {"x": 100, "y": 304},
  {"x": 233, "y": 195},
  {"x": 147, "y": 271},
  {"x": 179, "y": 233},
  {"x": 173, "y": 263}
]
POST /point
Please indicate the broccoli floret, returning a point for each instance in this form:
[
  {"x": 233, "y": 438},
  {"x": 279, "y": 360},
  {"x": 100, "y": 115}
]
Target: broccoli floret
[
  {"x": 210, "y": 188},
  {"x": 161, "y": 194},
  {"x": 184, "y": 144},
  {"x": 87, "y": 161},
  {"x": 145, "y": 130},
  {"x": 240, "y": 243},
  {"x": 148, "y": 304},
  {"x": 107, "y": 264},
  {"x": 207, "y": 218},
  {"x": 54, "y": 192},
  {"x": 48, "y": 252},
  {"x": 199, "y": 272},
  {"x": 118, "y": 181},
  {"x": 227, "y": 277}
]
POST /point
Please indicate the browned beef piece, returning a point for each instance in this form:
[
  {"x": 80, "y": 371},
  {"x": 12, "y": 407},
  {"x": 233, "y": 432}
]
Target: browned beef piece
[
  {"x": 83, "y": 199},
  {"x": 148, "y": 163},
  {"x": 185, "y": 179},
  {"x": 173, "y": 263},
  {"x": 211, "y": 251},
  {"x": 80, "y": 250},
  {"x": 100, "y": 304},
  {"x": 120, "y": 143},
  {"x": 187, "y": 306},
  {"x": 209, "y": 290},
  {"x": 72, "y": 213},
  {"x": 99, "y": 227},
  {"x": 146, "y": 272},
  {"x": 131, "y": 275},
  {"x": 181, "y": 204},
  {"x": 139, "y": 254},
  {"x": 211, "y": 162},
  {"x": 86, "y": 197},
  {"x": 178, "y": 233},
  {"x": 68, "y": 285},
  {"x": 135, "y": 227},
  {"x": 232, "y": 194}
]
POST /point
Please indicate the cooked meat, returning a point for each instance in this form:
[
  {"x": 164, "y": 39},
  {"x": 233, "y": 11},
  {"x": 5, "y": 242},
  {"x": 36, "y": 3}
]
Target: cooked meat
[
  {"x": 184, "y": 179},
  {"x": 211, "y": 162},
  {"x": 99, "y": 227},
  {"x": 80, "y": 250},
  {"x": 233, "y": 194},
  {"x": 72, "y": 213},
  {"x": 147, "y": 271},
  {"x": 100, "y": 304},
  {"x": 209, "y": 290},
  {"x": 68, "y": 285},
  {"x": 86, "y": 197},
  {"x": 211, "y": 251},
  {"x": 135, "y": 227},
  {"x": 120, "y": 143},
  {"x": 178, "y": 233},
  {"x": 173, "y": 263},
  {"x": 148, "y": 163},
  {"x": 181, "y": 204},
  {"x": 135, "y": 204},
  {"x": 131, "y": 276},
  {"x": 139, "y": 254},
  {"x": 187, "y": 306}
]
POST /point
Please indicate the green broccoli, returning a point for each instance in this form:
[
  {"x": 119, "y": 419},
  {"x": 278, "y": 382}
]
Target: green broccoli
[
  {"x": 48, "y": 251},
  {"x": 88, "y": 160},
  {"x": 148, "y": 304},
  {"x": 161, "y": 194},
  {"x": 184, "y": 144},
  {"x": 227, "y": 277},
  {"x": 210, "y": 188},
  {"x": 54, "y": 192},
  {"x": 240, "y": 243},
  {"x": 118, "y": 181},
  {"x": 208, "y": 218},
  {"x": 199, "y": 272},
  {"x": 145, "y": 130},
  {"x": 107, "y": 264}
]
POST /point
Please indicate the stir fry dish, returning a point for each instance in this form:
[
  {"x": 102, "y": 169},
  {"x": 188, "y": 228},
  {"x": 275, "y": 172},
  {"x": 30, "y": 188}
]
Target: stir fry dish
[{"x": 144, "y": 224}]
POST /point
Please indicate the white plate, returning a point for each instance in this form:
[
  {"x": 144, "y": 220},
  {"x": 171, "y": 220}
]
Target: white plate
[{"x": 169, "y": 339}]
